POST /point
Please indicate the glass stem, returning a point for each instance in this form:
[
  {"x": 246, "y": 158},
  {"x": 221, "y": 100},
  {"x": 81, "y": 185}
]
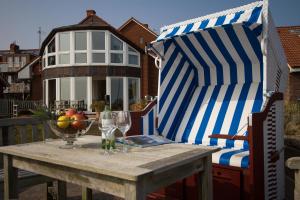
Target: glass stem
[{"x": 124, "y": 143}]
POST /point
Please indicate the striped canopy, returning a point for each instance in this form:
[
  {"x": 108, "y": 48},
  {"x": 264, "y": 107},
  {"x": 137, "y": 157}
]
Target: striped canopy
[{"x": 249, "y": 14}]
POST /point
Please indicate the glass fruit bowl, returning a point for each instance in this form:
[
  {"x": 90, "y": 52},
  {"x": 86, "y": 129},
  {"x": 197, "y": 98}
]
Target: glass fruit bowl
[{"x": 70, "y": 128}]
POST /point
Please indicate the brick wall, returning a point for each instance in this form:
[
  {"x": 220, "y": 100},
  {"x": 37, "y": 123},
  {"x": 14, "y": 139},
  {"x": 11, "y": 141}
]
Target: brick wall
[{"x": 293, "y": 89}]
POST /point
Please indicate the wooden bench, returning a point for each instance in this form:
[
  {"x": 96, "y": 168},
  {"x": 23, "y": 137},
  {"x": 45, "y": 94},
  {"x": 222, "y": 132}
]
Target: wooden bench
[{"x": 20, "y": 131}]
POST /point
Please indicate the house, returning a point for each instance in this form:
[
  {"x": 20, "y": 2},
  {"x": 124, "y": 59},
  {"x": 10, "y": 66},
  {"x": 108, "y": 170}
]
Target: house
[
  {"x": 85, "y": 61},
  {"x": 290, "y": 39},
  {"x": 141, "y": 35},
  {"x": 12, "y": 61}
]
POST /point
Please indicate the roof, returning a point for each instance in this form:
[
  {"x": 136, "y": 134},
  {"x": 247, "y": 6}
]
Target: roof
[
  {"x": 90, "y": 22},
  {"x": 290, "y": 39},
  {"x": 145, "y": 26},
  {"x": 21, "y": 51}
]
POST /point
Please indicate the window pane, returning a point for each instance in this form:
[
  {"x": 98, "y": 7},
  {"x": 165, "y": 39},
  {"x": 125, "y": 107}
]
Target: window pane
[
  {"x": 116, "y": 58},
  {"x": 80, "y": 41},
  {"x": 23, "y": 60},
  {"x": 80, "y": 57},
  {"x": 17, "y": 61},
  {"x": 64, "y": 59},
  {"x": 117, "y": 93},
  {"x": 51, "y": 91},
  {"x": 98, "y": 58},
  {"x": 51, "y": 60},
  {"x": 81, "y": 89},
  {"x": 98, "y": 40},
  {"x": 133, "y": 59},
  {"x": 65, "y": 88},
  {"x": 51, "y": 46},
  {"x": 133, "y": 90},
  {"x": 131, "y": 50},
  {"x": 115, "y": 43},
  {"x": 64, "y": 41},
  {"x": 44, "y": 62}
]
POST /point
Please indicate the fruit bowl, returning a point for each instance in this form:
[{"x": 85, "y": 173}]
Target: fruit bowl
[{"x": 69, "y": 129}]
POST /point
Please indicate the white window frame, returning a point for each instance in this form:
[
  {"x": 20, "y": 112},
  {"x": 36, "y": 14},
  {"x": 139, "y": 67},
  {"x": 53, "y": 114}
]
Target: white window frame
[
  {"x": 123, "y": 52},
  {"x": 98, "y": 51},
  {"x": 125, "y": 89},
  {"x": 82, "y": 51},
  {"x": 136, "y": 53},
  {"x": 53, "y": 53},
  {"x": 63, "y": 52}
]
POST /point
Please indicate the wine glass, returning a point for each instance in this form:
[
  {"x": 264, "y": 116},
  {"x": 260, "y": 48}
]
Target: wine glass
[
  {"x": 123, "y": 122},
  {"x": 106, "y": 126}
]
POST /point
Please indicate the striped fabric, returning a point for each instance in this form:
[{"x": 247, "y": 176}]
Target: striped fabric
[
  {"x": 211, "y": 79},
  {"x": 148, "y": 122},
  {"x": 232, "y": 157},
  {"x": 250, "y": 14}
]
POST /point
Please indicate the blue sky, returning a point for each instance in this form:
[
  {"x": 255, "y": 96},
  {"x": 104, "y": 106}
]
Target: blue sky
[{"x": 20, "y": 19}]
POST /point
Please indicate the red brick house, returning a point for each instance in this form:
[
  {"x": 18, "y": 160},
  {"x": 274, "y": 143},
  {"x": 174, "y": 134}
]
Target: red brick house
[
  {"x": 141, "y": 35},
  {"x": 290, "y": 39},
  {"x": 85, "y": 61},
  {"x": 11, "y": 62}
]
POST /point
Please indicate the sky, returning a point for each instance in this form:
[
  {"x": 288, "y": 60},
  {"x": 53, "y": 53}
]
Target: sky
[{"x": 20, "y": 19}]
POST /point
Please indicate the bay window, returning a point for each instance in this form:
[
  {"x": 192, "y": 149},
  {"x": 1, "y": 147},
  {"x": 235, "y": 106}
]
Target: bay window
[
  {"x": 65, "y": 88},
  {"x": 64, "y": 48},
  {"x": 133, "y": 90},
  {"x": 133, "y": 56},
  {"x": 98, "y": 47},
  {"x": 116, "y": 50},
  {"x": 80, "y": 47},
  {"x": 81, "y": 88},
  {"x": 116, "y": 93}
]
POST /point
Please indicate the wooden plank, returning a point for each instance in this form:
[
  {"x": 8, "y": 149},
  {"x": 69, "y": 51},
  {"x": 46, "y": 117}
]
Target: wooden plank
[
  {"x": 11, "y": 135},
  {"x": 205, "y": 186},
  {"x": 34, "y": 133},
  {"x": 61, "y": 190},
  {"x": 23, "y": 134},
  {"x": 134, "y": 191},
  {"x": 87, "y": 193},
  {"x": 10, "y": 179},
  {"x": 98, "y": 182}
]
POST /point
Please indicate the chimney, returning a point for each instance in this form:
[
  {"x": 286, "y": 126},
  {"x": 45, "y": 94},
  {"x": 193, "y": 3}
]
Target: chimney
[
  {"x": 90, "y": 13},
  {"x": 14, "y": 48}
]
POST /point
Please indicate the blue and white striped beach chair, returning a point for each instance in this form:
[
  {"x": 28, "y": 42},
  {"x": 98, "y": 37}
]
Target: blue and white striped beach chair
[{"x": 221, "y": 79}]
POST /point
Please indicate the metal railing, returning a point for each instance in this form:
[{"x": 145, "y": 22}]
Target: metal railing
[
  {"x": 11, "y": 107},
  {"x": 17, "y": 88}
]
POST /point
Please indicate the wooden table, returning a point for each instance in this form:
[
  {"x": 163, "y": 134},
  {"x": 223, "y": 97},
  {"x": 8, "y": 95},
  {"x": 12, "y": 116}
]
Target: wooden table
[{"x": 130, "y": 176}]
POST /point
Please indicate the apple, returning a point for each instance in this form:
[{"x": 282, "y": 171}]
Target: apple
[
  {"x": 78, "y": 121},
  {"x": 70, "y": 112},
  {"x": 63, "y": 121}
]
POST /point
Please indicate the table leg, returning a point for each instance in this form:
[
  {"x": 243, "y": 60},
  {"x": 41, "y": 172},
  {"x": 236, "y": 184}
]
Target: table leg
[
  {"x": 134, "y": 192},
  {"x": 10, "y": 179},
  {"x": 205, "y": 186},
  {"x": 87, "y": 193},
  {"x": 61, "y": 190}
]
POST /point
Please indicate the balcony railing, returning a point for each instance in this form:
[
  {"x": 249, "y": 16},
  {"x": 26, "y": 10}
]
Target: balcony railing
[
  {"x": 17, "y": 88},
  {"x": 10, "y": 67}
]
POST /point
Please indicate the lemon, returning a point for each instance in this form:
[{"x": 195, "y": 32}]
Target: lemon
[{"x": 63, "y": 121}]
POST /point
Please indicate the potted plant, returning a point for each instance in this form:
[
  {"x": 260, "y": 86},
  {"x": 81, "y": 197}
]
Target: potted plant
[{"x": 98, "y": 106}]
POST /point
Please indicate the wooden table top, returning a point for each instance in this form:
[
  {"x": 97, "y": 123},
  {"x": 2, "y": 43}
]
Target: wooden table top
[{"x": 130, "y": 166}]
